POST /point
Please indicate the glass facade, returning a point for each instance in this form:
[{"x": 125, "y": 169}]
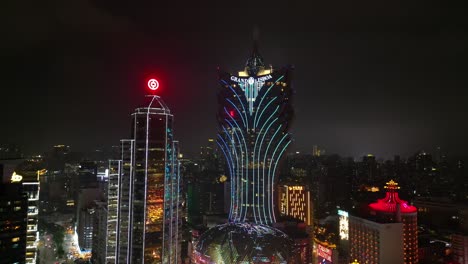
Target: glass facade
[
  {"x": 149, "y": 204},
  {"x": 112, "y": 209},
  {"x": 254, "y": 116},
  {"x": 127, "y": 146}
]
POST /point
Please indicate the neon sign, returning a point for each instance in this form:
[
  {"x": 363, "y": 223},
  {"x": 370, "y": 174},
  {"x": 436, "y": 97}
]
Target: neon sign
[
  {"x": 251, "y": 80},
  {"x": 251, "y": 87},
  {"x": 16, "y": 178},
  {"x": 153, "y": 84},
  {"x": 344, "y": 224},
  {"x": 295, "y": 188},
  {"x": 324, "y": 252}
]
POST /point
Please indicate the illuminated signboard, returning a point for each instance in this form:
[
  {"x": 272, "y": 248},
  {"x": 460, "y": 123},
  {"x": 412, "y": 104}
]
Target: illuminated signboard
[
  {"x": 251, "y": 80},
  {"x": 251, "y": 87},
  {"x": 296, "y": 188},
  {"x": 344, "y": 224},
  {"x": 16, "y": 178},
  {"x": 153, "y": 84},
  {"x": 324, "y": 253}
]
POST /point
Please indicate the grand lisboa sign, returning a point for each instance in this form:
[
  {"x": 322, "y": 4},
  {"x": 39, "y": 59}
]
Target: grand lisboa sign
[{"x": 251, "y": 80}]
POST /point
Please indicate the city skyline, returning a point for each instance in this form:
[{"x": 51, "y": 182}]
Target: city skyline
[{"x": 368, "y": 78}]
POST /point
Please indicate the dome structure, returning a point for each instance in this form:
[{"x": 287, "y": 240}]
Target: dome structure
[
  {"x": 392, "y": 201},
  {"x": 243, "y": 243}
]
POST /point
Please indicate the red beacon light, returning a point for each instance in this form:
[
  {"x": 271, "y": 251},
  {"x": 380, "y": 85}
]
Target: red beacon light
[{"x": 153, "y": 84}]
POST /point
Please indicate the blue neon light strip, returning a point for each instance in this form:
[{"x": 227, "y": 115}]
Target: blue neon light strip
[
  {"x": 258, "y": 162},
  {"x": 237, "y": 160},
  {"x": 273, "y": 156},
  {"x": 231, "y": 159},
  {"x": 254, "y": 158},
  {"x": 273, "y": 176},
  {"x": 263, "y": 97},
  {"x": 238, "y": 98},
  {"x": 260, "y": 116},
  {"x": 264, "y": 163},
  {"x": 237, "y": 109},
  {"x": 231, "y": 177},
  {"x": 243, "y": 211}
]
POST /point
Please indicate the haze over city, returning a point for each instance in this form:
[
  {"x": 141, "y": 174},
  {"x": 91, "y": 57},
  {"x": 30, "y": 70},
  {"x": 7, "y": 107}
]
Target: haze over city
[{"x": 369, "y": 77}]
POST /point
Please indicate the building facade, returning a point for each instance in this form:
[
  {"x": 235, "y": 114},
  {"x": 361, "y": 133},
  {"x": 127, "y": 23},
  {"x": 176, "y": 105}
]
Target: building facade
[
  {"x": 254, "y": 116},
  {"x": 148, "y": 208},
  {"x": 13, "y": 223},
  {"x": 31, "y": 185},
  {"x": 393, "y": 209},
  {"x": 99, "y": 250},
  {"x": 375, "y": 243},
  {"x": 295, "y": 201},
  {"x": 460, "y": 247}
]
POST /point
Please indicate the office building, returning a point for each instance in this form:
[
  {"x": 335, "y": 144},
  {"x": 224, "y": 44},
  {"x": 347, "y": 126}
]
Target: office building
[{"x": 148, "y": 210}]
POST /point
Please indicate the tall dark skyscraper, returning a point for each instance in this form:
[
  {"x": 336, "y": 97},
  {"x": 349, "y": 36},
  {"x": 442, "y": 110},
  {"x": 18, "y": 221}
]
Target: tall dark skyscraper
[
  {"x": 13, "y": 223},
  {"x": 148, "y": 207},
  {"x": 254, "y": 116}
]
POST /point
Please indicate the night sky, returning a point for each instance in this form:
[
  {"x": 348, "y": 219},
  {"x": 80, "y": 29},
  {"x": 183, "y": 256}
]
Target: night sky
[{"x": 369, "y": 78}]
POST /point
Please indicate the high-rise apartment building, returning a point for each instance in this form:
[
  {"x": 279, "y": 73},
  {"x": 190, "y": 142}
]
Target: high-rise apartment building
[
  {"x": 13, "y": 223},
  {"x": 460, "y": 247},
  {"x": 144, "y": 220},
  {"x": 99, "y": 250},
  {"x": 375, "y": 243},
  {"x": 254, "y": 116},
  {"x": 123, "y": 224},
  {"x": 31, "y": 185},
  {"x": 393, "y": 209}
]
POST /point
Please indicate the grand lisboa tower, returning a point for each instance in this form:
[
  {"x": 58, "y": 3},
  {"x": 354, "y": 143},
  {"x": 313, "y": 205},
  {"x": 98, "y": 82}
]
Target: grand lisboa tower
[{"x": 254, "y": 116}]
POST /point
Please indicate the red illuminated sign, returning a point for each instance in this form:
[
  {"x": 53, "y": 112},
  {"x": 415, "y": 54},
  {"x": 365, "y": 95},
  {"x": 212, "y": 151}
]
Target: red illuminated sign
[
  {"x": 324, "y": 252},
  {"x": 153, "y": 84}
]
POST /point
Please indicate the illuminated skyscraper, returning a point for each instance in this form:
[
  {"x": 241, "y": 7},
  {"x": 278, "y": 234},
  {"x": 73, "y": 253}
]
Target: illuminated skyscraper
[
  {"x": 31, "y": 185},
  {"x": 13, "y": 223},
  {"x": 149, "y": 203},
  {"x": 254, "y": 116},
  {"x": 295, "y": 201}
]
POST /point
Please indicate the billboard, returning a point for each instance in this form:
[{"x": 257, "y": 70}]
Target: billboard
[
  {"x": 324, "y": 254},
  {"x": 344, "y": 224}
]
